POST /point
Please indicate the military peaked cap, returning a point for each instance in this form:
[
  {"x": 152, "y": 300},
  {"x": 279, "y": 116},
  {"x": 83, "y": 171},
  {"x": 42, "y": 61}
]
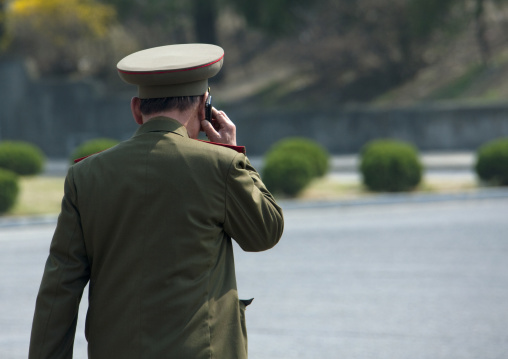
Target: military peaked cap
[{"x": 172, "y": 70}]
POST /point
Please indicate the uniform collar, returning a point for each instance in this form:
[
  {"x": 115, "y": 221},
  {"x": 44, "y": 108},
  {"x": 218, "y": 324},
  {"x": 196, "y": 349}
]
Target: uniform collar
[{"x": 164, "y": 124}]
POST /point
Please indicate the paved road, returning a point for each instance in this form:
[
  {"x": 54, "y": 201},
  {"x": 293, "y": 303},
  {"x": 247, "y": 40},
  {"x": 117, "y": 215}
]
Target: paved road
[{"x": 395, "y": 281}]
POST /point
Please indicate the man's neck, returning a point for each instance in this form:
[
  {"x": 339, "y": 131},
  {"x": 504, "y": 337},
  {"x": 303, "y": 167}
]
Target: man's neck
[
  {"x": 182, "y": 117},
  {"x": 188, "y": 119}
]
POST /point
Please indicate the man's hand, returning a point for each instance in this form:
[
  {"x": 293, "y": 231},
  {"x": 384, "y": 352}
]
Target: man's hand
[{"x": 223, "y": 130}]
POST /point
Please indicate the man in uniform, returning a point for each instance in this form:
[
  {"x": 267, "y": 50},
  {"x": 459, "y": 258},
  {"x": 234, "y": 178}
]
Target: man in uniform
[{"x": 148, "y": 223}]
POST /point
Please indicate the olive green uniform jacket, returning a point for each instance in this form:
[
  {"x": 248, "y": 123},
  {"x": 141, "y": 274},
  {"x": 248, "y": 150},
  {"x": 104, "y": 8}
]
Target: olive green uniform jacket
[{"x": 149, "y": 223}]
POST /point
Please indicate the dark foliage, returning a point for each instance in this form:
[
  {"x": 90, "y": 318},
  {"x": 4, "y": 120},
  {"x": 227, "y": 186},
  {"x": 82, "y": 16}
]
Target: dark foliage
[
  {"x": 21, "y": 157},
  {"x": 492, "y": 162},
  {"x": 390, "y": 166},
  {"x": 9, "y": 190},
  {"x": 91, "y": 147}
]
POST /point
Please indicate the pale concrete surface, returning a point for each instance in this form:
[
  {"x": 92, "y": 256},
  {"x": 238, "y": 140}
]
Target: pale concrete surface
[
  {"x": 442, "y": 167},
  {"x": 393, "y": 279},
  {"x": 432, "y": 161}
]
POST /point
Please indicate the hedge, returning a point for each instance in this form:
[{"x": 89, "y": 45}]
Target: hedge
[
  {"x": 91, "y": 147},
  {"x": 390, "y": 166},
  {"x": 316, "y": 153},
  {"x": 292, "y": 163},
  {"x": 492, "y": 162},
  {"x": 287, "y": 173},
  {"x": 22, "y": 158},
  {"x": 9, "y": 189}
]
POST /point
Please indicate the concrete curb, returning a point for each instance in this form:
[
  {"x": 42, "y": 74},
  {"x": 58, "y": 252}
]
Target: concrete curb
[
  {"x": 399, "y": 198},
  {"x": 9, "y": 222}
]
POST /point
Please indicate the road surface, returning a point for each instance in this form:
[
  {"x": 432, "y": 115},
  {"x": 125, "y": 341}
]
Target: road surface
[{"x": 420, "y": 280}]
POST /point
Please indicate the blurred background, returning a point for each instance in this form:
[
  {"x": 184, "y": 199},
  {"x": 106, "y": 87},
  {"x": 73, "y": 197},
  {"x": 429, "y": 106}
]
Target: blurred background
[
  {"x": 280, "y": 53},
  {"x": 341, "y": 72}
]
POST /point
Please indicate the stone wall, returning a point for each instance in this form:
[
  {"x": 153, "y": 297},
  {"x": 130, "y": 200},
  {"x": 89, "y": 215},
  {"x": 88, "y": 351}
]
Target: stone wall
[
  {"x": 57, "y": 116},
  {"x": 430, "y": 128}
]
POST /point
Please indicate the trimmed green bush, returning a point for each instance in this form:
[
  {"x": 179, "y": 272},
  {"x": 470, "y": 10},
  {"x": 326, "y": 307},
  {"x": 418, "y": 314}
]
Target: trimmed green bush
[
  {"x": 93, "y": 146},
  {"x": 292, "y": 163},
  {"x": 287, "y": 172},
  {"x": 9, "y": 189},
  {"x": 316, "y": 153},
  {"x": 390, "y": 166},
  {"x": 492, "y": 162},
  {"x": 21, "y": 157}
]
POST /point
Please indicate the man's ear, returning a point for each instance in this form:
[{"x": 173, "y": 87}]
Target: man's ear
[
  {"x": 201, "y": 106},
  {"x": 136, "y": 110}
]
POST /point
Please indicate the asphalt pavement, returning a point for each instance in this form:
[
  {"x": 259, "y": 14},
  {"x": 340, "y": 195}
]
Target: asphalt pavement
[{"x": 393, "y": 279}]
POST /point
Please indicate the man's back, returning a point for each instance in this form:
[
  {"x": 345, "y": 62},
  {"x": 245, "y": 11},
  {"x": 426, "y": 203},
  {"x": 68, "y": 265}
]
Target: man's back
[{"x": 150, "y": 220}]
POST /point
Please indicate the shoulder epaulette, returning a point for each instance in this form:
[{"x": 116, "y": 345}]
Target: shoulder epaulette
[
  {"x": 239, "y": 149},
  {"x": 82, "y": 158}
]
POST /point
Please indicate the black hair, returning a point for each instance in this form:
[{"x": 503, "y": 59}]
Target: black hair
[{"x": 150, "y": 106}]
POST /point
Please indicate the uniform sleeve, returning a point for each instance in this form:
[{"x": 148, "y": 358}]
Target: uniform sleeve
[
  {"x": 253, "y": 218},
  {"x": 65, "y": 276}
]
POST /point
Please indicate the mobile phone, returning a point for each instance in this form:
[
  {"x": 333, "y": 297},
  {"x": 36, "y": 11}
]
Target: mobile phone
[{"x": 208, "y": 108}]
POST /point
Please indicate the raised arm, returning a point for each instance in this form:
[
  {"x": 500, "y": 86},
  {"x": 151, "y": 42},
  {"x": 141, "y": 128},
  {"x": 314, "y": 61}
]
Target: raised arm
[{"x": 253, "y": 218}]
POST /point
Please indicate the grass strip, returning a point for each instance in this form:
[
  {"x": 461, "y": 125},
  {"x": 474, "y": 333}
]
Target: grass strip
[{"x": 39, "y": 195}]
